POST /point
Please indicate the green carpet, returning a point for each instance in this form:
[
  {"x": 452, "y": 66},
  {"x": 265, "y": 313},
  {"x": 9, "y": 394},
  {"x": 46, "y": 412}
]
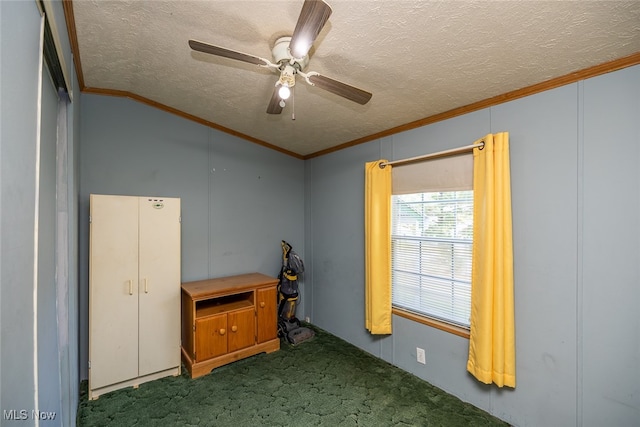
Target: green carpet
[{"x": 322, "y": 382}]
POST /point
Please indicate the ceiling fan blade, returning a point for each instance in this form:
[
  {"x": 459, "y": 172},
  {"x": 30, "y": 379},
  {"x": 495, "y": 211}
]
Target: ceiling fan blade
[
  {"x": 342, "y": 89},
  {"x": 227, "y": 53},
  {"x": 313, "y": 16},
  {"x": 274, "y": 104}
]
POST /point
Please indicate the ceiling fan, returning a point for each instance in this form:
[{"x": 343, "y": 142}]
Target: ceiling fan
[{"x": 291, "y": 57}]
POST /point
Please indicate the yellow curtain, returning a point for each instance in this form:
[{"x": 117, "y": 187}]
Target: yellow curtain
[
  {"x": 492, "y": 336},
  {"x": 377, "y": 211}
]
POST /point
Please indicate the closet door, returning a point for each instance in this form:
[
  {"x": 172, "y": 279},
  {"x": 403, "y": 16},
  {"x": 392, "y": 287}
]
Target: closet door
[
  {"x": 159, "y": 291},
  {"x": 113, "y": 290}
]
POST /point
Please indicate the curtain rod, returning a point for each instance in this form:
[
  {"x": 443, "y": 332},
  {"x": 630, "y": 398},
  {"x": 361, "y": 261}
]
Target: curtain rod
[{"x": 445, "y": 153}]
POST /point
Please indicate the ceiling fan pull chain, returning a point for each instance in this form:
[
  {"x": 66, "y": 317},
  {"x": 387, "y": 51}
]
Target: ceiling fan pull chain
[{"x": 293, "y": 103}]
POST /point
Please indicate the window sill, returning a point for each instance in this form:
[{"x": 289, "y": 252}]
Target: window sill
[{"x": 438, "y": 324}]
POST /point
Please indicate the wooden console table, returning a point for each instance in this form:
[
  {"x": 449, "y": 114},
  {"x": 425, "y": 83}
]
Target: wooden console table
[{"x": 227, "y": 319}]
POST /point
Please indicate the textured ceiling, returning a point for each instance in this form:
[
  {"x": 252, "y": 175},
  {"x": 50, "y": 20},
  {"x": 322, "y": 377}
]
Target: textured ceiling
[{"x": 418, "y": 58}]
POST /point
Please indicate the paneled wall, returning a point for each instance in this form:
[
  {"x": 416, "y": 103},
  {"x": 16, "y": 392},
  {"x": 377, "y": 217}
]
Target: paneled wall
[
  {"x": 38, "y": 223},
  {"x": 608, "y": 294},
  {"x": 19, "y": 113},
  {"x": 239, "y": 200},
  {"x": 575, "y": 154}
]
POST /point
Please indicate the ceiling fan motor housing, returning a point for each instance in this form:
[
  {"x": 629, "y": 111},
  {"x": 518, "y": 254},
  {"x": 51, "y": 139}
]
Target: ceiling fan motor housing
[{"x": 282, "y": 55}]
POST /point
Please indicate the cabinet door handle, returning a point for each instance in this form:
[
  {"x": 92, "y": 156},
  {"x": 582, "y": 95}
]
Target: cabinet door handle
[
  {"x": 261, "y": 304},
  {"x": 222, "y": 331},
  {"x": 234, "y": 328},
  {"x": 130, "y": 287},
  {"x": 146, "y": 285}
]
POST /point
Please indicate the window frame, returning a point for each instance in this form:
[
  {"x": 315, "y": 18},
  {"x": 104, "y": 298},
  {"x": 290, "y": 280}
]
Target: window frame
[{"x": 432, "y": 321}]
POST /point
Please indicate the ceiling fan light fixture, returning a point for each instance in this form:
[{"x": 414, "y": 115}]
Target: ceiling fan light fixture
[
  {"x": 284, "y": 92},
  {"x": 286, "y": 81}
]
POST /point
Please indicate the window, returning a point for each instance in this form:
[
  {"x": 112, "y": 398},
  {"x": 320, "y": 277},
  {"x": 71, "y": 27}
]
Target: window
[{"x": 431, "y": 241}]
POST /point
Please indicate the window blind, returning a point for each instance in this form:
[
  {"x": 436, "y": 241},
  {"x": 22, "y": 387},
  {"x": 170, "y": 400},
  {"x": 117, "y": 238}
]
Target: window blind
[
  {"x": 453, "y": 173},
  {"x": 432, "y": 237}
]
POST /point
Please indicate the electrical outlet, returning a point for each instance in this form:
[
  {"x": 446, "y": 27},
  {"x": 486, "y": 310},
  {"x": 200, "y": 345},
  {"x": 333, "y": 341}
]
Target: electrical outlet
[
  {"x": 307, "y": 319},
  {"x": 420, "y": 356}
]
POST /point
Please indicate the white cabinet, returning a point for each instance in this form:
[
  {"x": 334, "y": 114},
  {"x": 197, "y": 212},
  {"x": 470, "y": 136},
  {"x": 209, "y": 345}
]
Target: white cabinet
[{"x": 134, "y": 291}]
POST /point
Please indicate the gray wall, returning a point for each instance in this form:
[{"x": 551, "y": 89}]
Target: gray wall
[
  {"x": 238, "y": 199},
  {"x": 18, "y": 108},
  {"x": 38, "y": 345},
  {"x": 608, "y": 294},
  {"x": 575, "y": 153}
]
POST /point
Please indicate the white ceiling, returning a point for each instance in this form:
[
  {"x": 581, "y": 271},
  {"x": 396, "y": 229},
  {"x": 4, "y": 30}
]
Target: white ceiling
[{"x": 418, "y": 58}]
